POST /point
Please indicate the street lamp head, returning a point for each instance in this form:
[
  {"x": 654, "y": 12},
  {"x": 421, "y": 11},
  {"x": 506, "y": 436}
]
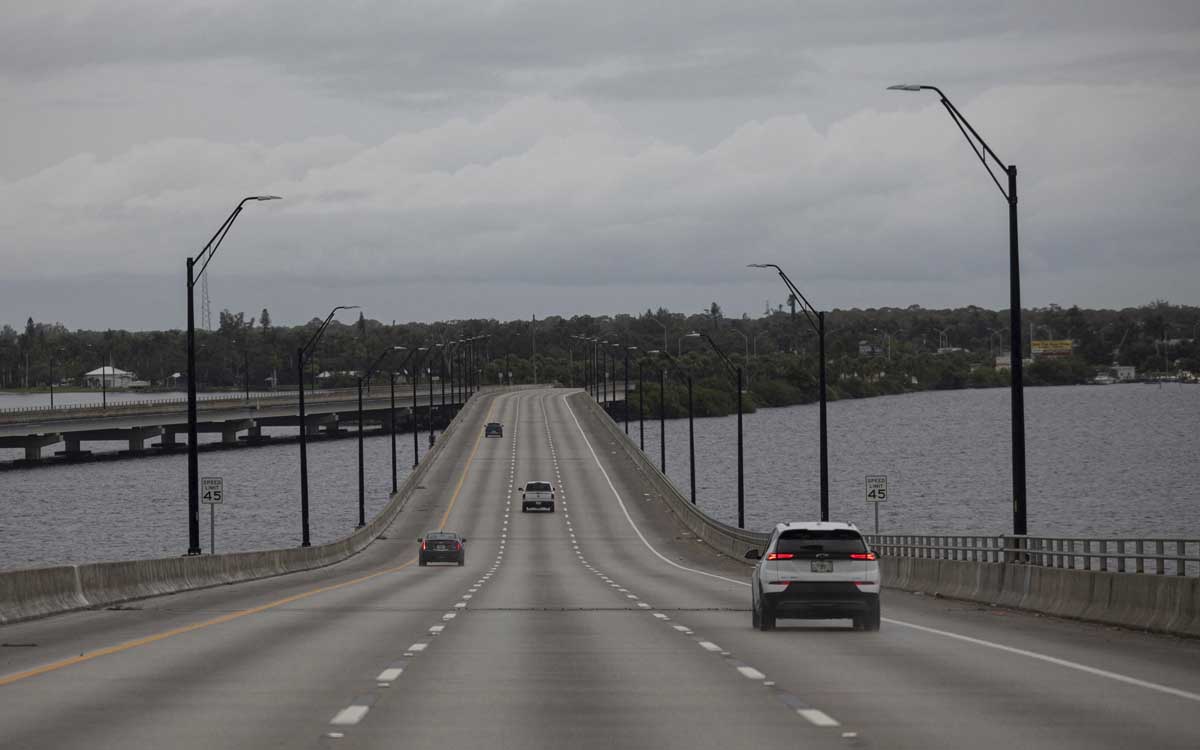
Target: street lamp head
[
  {"x": 906, "y": 87},
  {"x": 397, "y": 348},
  {"x": 692, "y": 335},
  {"x": 266, "y": 197}
]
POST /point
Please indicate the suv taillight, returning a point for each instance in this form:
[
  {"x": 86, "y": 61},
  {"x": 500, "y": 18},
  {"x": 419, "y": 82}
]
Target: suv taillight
[
  {"x": 780, "y": 556},
  {"x": 422, "y": 545},
  {"x": 862, "y": 556}
]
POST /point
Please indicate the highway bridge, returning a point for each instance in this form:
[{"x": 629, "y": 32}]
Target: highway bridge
[
  {"x": 608, "y": 624},
  {"x": 234, "y": 418}
]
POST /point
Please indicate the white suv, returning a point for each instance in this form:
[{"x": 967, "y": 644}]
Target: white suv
[{"x": 815, "y": 571}]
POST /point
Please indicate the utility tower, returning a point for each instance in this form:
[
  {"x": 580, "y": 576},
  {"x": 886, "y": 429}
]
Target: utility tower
[{"x": 205, "y": 305}]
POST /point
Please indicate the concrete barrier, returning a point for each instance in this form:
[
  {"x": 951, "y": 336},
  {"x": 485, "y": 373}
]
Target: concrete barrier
[
  {"x": 1165, "y": 604},
  {"x": 38, "y": 592},
  {"x": 726, "y": 539}
]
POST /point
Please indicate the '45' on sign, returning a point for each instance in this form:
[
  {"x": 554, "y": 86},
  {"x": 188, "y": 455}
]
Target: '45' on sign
[
  {"x": 876, "y": 489},
  {"x": 212, "y": 490}
]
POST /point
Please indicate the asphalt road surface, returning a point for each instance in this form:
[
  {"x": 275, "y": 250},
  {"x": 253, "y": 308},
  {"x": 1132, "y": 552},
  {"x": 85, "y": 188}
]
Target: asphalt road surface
[{"x": 602, "y": 625}]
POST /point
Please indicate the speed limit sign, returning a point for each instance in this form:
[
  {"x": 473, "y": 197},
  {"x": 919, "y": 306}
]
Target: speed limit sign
[
  {"x": 212, "y": 490},
  {"x": 876, "y": 488}
]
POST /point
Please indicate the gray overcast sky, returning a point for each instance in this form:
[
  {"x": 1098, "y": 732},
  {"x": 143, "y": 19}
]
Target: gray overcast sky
[{"x": 447, "y": 160}]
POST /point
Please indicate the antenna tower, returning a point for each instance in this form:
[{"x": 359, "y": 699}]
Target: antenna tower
[{"x": 205, "y": 305}]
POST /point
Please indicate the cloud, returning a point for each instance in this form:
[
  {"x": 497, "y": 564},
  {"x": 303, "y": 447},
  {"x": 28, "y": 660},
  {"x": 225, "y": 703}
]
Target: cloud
[
  {"x": 585, "y": 146},
  {"x": 559, "y": 191}
]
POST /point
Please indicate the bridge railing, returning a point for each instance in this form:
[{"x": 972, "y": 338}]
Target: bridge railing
[
  {"x": 1180, "y": 557},
  {"x": 205, "y": 401}
]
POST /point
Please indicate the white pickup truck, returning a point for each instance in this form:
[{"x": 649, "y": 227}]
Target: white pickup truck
[{"x": 537, "y": 495}]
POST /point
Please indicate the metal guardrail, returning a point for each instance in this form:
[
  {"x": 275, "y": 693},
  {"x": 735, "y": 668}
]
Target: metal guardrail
[{"x": 1121, "y": 555}]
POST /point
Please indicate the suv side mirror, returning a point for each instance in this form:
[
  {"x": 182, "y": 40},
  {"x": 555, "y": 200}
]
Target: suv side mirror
[
  {"x": 753, "y": 555},
  {"x": 419, "y": 540},
  {"x": 464, "y": 538}
]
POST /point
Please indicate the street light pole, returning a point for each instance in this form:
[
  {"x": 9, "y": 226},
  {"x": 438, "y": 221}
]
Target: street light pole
[
  {"x": 392, "y": 425},
  {"x": 429, "y": 372},
  {"x": 662, "y": 420},
  {"x": 301, "y": 354},
  {"x": 641, "y": 408},
  {"x": 205, "y": 256},
  {"x": 627, "y": 348},
  {"x": 817, "y": 321},
  {"x": 1017, "y": 396},
  {"x": 691, "y": 424},
  {"x": 741, "y": 486},
  {"x": 362, "y": 482},
  {"x": 416, "y": 375}
]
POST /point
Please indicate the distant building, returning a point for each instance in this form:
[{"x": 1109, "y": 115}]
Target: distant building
[
  {"x": 1003, "y": 362},
  {"x": 1124, "y": 372},
  {"x": 868, "y": 349},
  {"x": 109, "y": 377}
]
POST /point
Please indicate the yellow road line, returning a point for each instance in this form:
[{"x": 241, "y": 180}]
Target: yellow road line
[
  {"x": 463, "y": 478},
  {"x": 53, "y": 666},
  {"x": 64, "y": 663}
]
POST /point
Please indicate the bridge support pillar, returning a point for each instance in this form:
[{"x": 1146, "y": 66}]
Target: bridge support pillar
[
  {"x": 72, "y": 449},
  {"x": 138, "y": 436},
  {"x": 230, "y": 429},
  {"x": 32, "y": 444}
]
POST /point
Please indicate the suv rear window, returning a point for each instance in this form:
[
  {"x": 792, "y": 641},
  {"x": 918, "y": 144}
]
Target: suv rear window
[
  {"x": 537, "y": 487},
  {"x": 811, "y": 542}
]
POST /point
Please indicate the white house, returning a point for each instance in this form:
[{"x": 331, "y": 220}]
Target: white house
[{"x": 109, "y": 377}]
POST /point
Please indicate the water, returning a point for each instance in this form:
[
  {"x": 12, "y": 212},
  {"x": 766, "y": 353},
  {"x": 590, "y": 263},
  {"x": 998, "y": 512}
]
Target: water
[
  {"x": 1120, "y": 460},
  {"x": 1117, "y": 460},
  {"x": 117, "y": 510}
]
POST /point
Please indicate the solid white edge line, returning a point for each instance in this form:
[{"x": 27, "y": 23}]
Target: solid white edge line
[
  {"x": 625, "y": 510},
  {"x": 934, "y": 631},
  {"x": 820, "y": 718},
  {"x": 350, "y": 715},
  {"x": 1052, "y": 660}
]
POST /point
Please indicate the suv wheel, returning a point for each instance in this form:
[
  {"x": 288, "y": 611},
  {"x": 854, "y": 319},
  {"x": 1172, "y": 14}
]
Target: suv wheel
[
  {"x": 766, "y": 616},
  {"x": 870, "y": 621}
]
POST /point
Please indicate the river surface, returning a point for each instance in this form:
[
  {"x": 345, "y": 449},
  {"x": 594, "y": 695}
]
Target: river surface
[{"x": 1119, "y": 460}]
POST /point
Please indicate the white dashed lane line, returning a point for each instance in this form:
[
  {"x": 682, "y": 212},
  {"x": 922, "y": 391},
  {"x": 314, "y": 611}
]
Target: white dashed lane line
[
  {"x": 390, "y": 675},
  {"x": 350, "y": 715},
  {"x": 751, "y": 673},
  {"x": 818, "y": 717}
]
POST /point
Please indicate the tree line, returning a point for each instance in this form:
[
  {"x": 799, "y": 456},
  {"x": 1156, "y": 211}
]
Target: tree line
[{"x": 869, "y": 352}]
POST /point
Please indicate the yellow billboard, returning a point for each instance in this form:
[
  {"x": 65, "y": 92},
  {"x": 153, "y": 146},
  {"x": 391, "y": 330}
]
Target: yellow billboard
[{"x": 1051, "y": 348}]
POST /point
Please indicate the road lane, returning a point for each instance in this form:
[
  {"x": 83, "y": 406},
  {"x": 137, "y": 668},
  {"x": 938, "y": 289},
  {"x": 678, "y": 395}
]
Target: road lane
[
  {"x": 551, "y": 654},
  {"x": 259, "y": 679},
  {"x": 566, "y": 629},
  {"x": 906, "y": 687}
]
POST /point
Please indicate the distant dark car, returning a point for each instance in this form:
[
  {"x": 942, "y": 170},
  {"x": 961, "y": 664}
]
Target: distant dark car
[
  {"x": 442, "y": 546},
  {"x": 493, "y": 429}
]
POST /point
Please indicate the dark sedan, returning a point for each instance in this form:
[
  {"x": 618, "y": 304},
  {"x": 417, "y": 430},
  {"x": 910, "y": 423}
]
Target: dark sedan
[
  {"x": 442, "y": 546},
  {"x": 493, "y": 429}
]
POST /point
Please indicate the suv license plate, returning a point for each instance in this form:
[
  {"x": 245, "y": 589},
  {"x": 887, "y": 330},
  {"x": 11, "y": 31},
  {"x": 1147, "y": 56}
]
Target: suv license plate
[{"x": 822, "y": 566}]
